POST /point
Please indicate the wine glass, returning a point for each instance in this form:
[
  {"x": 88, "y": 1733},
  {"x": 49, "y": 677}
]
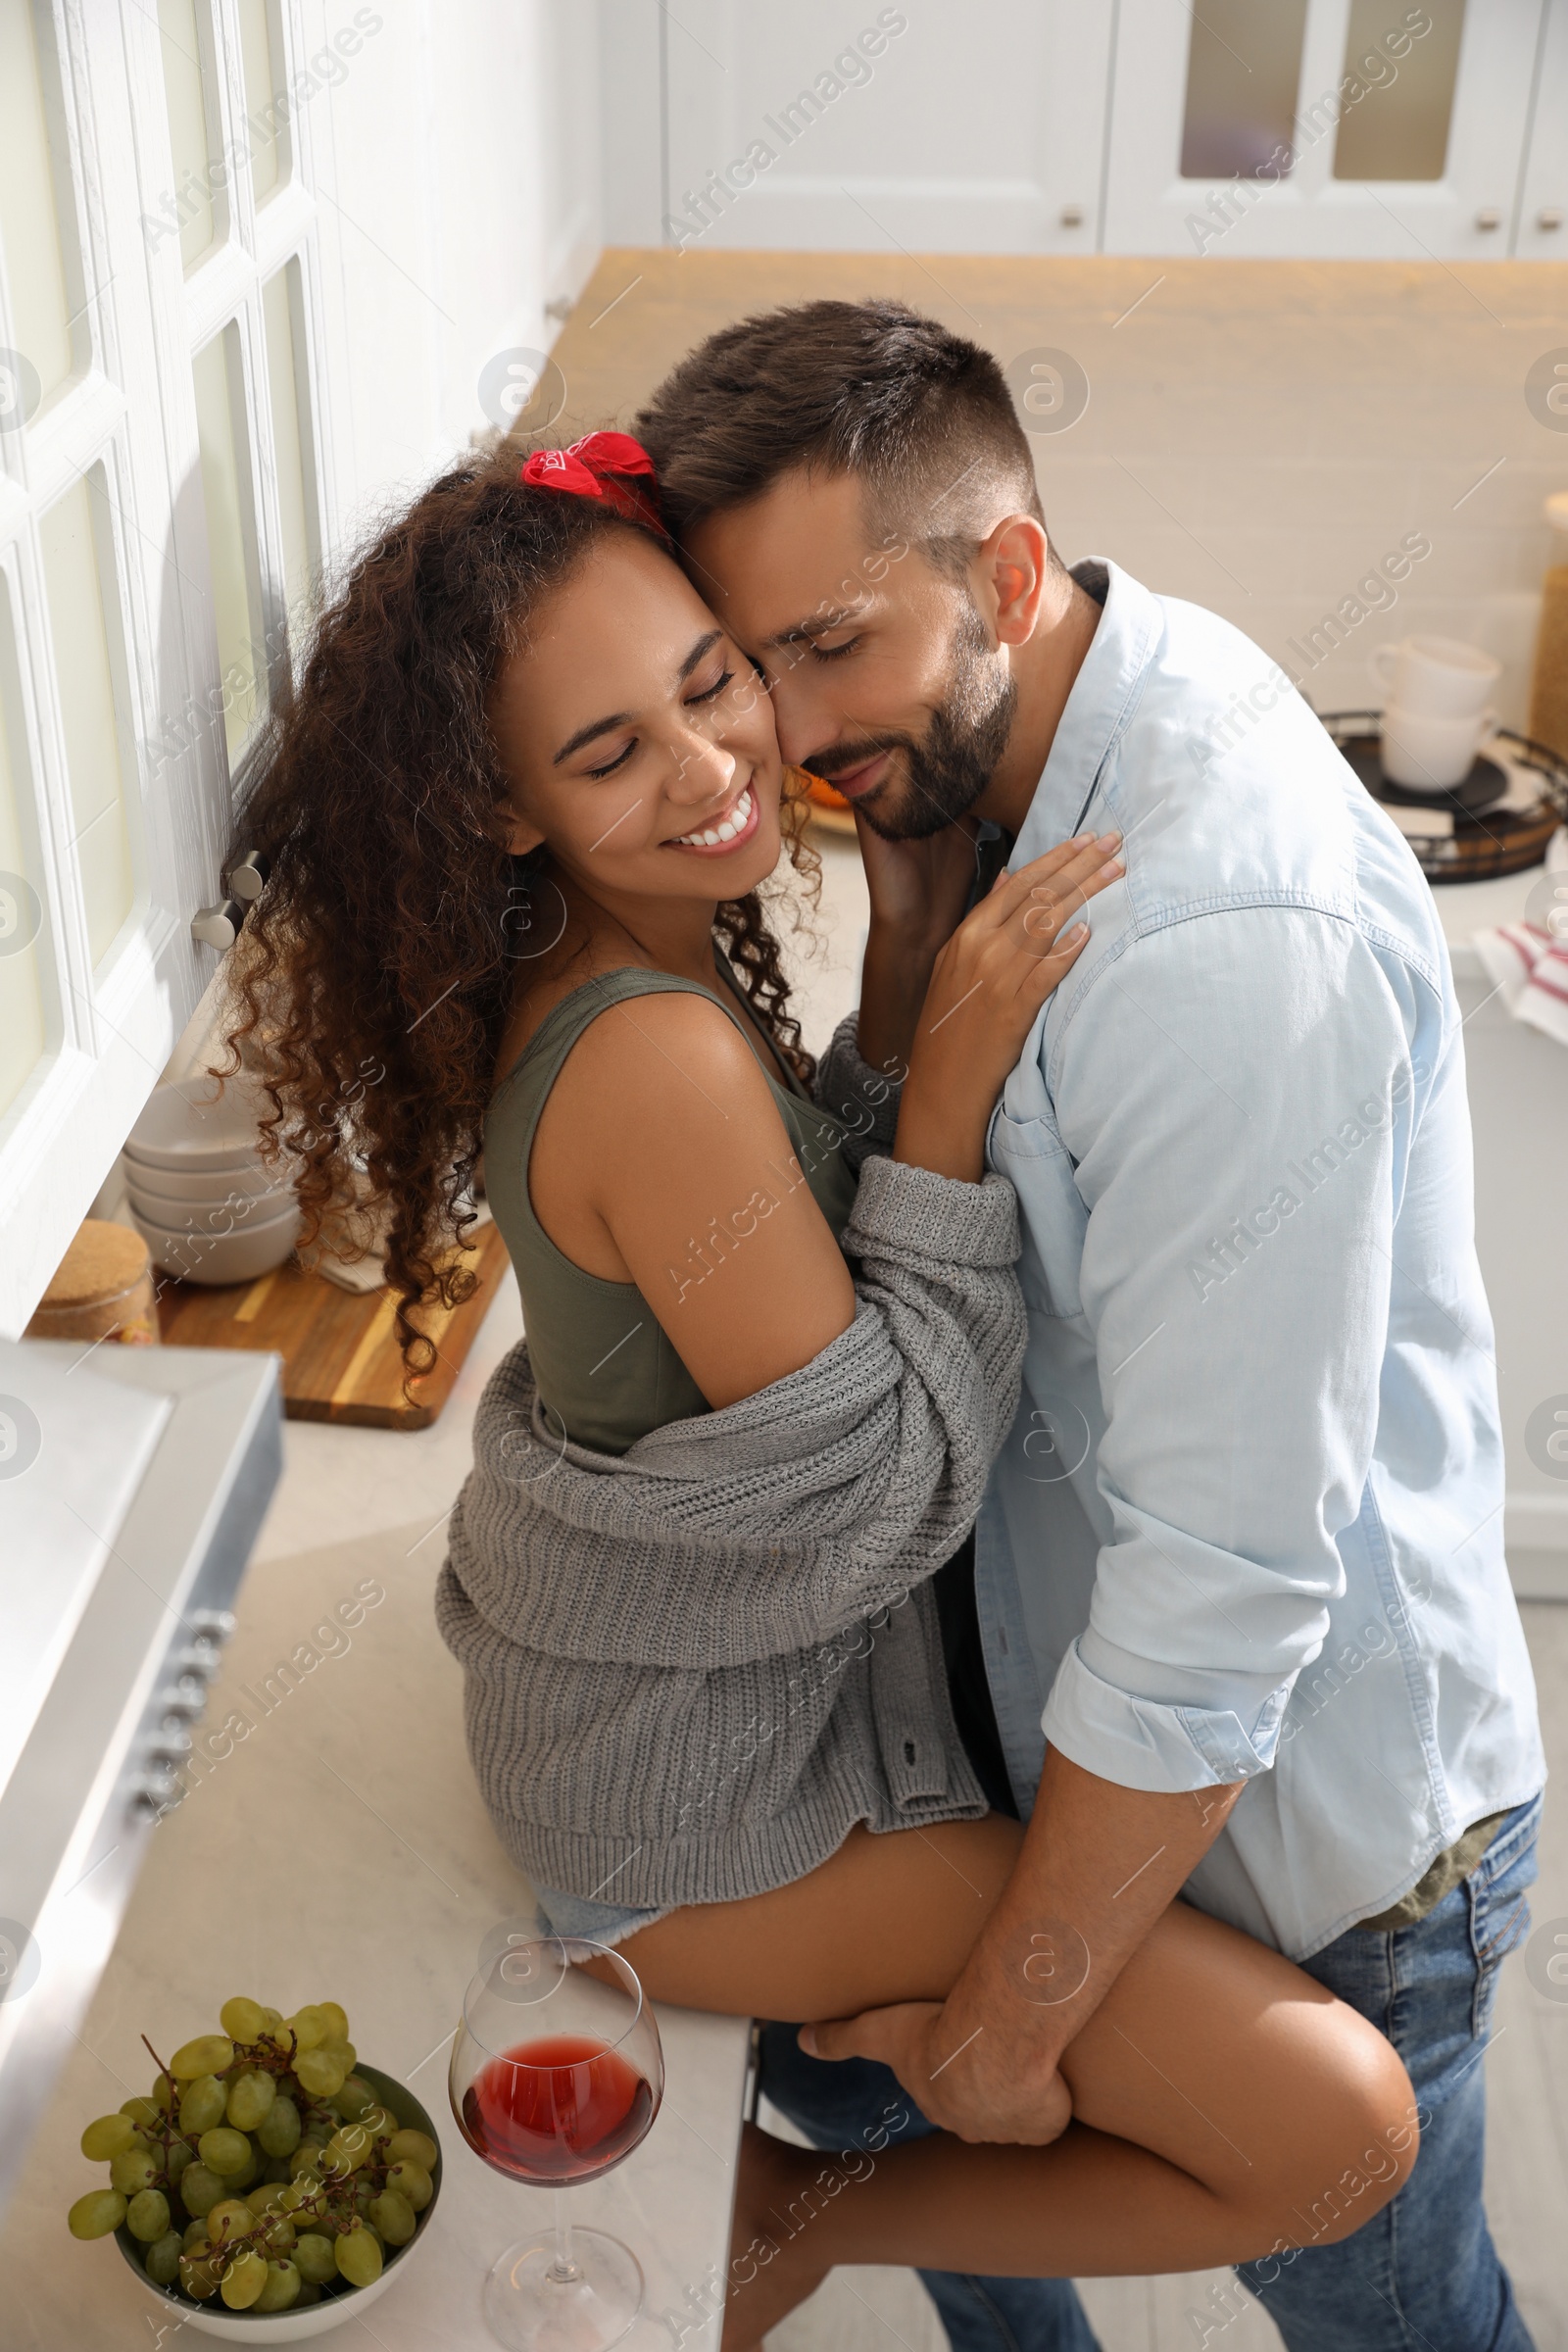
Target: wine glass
[{"x": 557, "y": 2074}]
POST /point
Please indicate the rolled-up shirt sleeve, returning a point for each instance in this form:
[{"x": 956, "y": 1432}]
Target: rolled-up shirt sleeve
[{"x": 1235, "y": 1094}]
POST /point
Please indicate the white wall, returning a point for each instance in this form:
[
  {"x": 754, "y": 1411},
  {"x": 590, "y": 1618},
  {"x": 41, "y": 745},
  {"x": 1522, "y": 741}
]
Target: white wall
[{"x": 460, "y": 168}]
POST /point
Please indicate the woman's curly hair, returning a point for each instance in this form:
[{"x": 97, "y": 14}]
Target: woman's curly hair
[{"x": 377, "y": 972}]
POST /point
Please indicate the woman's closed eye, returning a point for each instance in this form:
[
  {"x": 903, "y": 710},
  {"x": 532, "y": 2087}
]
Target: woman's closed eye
[{"x": 619, "y": 761}]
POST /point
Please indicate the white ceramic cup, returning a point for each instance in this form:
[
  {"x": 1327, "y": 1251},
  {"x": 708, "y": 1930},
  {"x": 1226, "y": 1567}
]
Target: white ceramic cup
[
  {"x": 1433, "y": 754},
  {"x": 1436, "y": 678}
]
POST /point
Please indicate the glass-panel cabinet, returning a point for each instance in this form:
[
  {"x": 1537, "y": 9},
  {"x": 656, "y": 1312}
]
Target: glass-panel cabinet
[
  {"x": 1361, "y": 129},
  {"x": 160, "y": 514}
]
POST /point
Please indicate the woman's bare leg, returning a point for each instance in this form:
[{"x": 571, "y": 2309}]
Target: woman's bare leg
[{"x": 1225, "y": 2105}]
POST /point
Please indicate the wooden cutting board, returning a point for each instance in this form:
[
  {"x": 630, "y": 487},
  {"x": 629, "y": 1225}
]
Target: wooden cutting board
[{"x": 341, "y": 1359}]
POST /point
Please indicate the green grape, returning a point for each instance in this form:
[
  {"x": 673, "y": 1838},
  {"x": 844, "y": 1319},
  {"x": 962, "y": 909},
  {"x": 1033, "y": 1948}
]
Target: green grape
[
  {"x": 208, "y": 2054},
  {"x": 276, "y": 2169},
  {"x": 242, "y": 2020},
  {"x": 411, "y": 2181},
  {"x": 177, "y": 2161},
  {"x": 306, "y": 2295},
  {"x": 164, "y": 2095},
  {"x": 282, "y": 2289},
  {"x": 280, "y": 2128},
  {"x": 96, "y": 2213},
  {"x": 229, "y": 2218},
  {"x": 355, "y": 2097},
  {"x": 345, "y": 2054},
  {"x": 277, "y": 2235},
  {"x": 321, "y": 2073},
  {"x": 248, "y": 2171},
  {"x": 195, "y": 2235},
  {"x": 416, "y": 2148},
  {"x": 145, "y": 2114},
  {"x": 273, "y": 2017},
  {"x": 163, "y": 2259},
  {"x": 379, "y": 2120},
  {"x": 223, "y": 2151},
  {"x": 308, "y": 2027},
  {"x": 250, "y": 2096},
  {"x": 198, "y": 2275},
  {"x": 314, "y": 2259},
  {"x": 351, "y": 2144},
  {"x": 147, "y": 2215},
  {"x": 335, "y": 2020},
  {"x": 394, "y": 2217},
  {"x": 133, "y": 2169},
  {"x": 359, "y": 2257},
  {"x": 305, "y": 2164},
  {"x": 266, "y": 2198},
  {"x": 244, "y": 2280},
  {"x": 364, "y": 2195},
  {"x": 200, "y": 2190},
  {"x": 201, "y": 2104},
  {"x": 110, "y": 2136}
]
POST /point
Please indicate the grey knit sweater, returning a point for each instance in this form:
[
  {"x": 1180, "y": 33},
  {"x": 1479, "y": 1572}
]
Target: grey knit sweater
[{"x": 691, "y": 1668}]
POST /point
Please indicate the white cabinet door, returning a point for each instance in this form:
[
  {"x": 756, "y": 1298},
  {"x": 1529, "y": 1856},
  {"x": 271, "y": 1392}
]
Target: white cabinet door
[
  {"x": 1542, "y": 233},
  {"x": 160, "y": 511},
  {"x": 1258, "y": 127},
  {"x": 921, "y": 126}
]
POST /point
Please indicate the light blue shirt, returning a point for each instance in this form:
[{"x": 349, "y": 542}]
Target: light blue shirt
[{"x": 1248, "y": 1524}]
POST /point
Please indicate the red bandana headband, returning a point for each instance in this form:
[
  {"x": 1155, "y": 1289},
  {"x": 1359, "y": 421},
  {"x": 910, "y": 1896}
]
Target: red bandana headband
[{"x": 594, "y": 468}]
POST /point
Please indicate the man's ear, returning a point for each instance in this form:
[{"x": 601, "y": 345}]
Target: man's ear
[{"x": 1010, "y": 566}]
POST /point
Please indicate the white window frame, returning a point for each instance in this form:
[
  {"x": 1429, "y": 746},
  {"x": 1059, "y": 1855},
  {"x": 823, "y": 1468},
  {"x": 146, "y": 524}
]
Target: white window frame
[{"x": 129, "y": 409}]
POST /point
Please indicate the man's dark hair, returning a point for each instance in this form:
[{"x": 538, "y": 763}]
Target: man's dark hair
[{"x": 868, "y": 388}]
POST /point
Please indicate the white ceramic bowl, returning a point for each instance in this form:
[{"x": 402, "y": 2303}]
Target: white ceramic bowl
[
  {"x": 250, "y": 1175},
  {"x": 333, "y": 2311},
  {"x": 213, "y": 1259},
  {"x": 190, "y": 1126},
  {"x": 223, "y": 1209}
]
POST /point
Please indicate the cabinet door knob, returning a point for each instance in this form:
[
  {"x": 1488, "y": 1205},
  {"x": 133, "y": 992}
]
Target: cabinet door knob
[
  {"x": 217, "y": 926},
  {"x": 1073, "y": 215},
  {"x": 1489, "y": 216},
  {"x": 1549, "y": 216}
]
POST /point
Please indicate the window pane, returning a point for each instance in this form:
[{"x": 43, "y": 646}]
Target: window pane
[
  {"x": 1398, "y": 130},
  {"x": 231, "y": 537},
  {"x": 76, "y": 574},
  {"x": 291, "y": 440},
  {"x": 22, "y": 1034},
  {"x": 36, "y": 270},
  {"x": 1244, "y": 65},
  {"x": 262, "y": 89},
  {"x": 189, "y": 138}
]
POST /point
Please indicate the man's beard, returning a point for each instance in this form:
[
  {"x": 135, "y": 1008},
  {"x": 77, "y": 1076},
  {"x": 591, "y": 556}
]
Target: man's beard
[{"x": 946, "y": 769}]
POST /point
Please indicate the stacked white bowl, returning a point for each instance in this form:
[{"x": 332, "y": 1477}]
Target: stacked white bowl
[{"x": 202, "y": 1198}]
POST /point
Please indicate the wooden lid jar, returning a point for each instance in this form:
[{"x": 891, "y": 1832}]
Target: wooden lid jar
[{"x": 101, "y": 1289}]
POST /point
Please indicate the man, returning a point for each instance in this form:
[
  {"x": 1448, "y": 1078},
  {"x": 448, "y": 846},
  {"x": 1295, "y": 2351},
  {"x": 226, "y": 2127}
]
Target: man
[{"x": 1247, "y": 1626}]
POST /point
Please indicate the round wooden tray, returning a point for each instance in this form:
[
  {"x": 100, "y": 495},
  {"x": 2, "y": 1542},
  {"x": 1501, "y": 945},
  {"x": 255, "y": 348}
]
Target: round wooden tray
[{"x": 1500, "y": 837}]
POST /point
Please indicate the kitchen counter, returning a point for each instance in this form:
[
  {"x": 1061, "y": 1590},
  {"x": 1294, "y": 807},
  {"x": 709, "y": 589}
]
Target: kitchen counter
[{"x": 333, "y": 1847}]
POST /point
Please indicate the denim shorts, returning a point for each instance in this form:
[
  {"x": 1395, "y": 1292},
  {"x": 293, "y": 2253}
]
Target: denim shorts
[{"x": 600, "y": 1923}]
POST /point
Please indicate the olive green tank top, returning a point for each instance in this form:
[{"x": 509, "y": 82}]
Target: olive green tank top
[{"x": 605, "y": 1366}]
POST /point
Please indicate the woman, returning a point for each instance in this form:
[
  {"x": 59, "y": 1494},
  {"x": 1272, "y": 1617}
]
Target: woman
[{"x": 691, "y": 1574}]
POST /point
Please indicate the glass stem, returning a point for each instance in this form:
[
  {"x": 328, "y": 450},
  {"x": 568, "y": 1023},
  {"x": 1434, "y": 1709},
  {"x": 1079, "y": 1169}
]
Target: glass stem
[{"x": 562, "y": 2268}]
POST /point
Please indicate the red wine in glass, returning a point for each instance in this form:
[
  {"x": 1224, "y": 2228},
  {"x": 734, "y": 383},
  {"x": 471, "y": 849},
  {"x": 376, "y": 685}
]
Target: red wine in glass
[
  {"x": 555, "y": 2076},
  {"x": 563, "y": 2107}
]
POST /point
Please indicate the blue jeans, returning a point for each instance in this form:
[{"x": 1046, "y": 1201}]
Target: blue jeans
[{"x": 1422, "y": 2276}]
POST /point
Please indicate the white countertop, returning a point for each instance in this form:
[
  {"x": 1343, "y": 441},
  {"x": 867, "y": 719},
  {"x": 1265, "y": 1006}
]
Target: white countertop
[{"x": 340, "y": 1852}]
